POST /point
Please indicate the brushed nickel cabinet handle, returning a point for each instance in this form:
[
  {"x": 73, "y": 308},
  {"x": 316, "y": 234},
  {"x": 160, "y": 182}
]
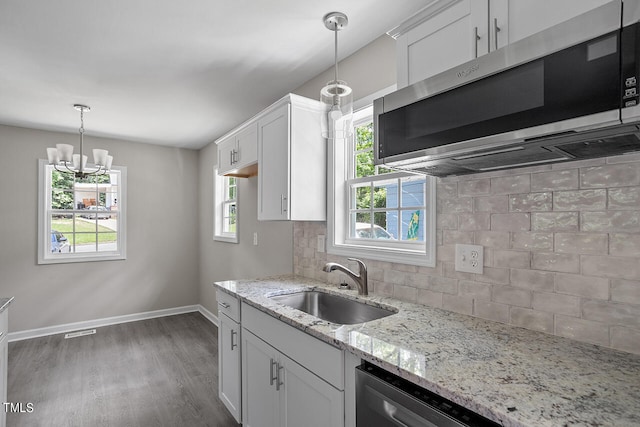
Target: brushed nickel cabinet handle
[
  {"x": 233, "y": 344},
  {"x": 224, "y": 305},
  {"x": 476, "y": 38},
  {"x": 273, "y": 377},
  {"x": 496, "y": 29},
  {"x": 278, "y": 379}
]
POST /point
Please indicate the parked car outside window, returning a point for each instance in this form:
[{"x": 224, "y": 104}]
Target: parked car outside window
[
  {"x": 59, "y": 242},
  {"x": 99, "y": 214}
]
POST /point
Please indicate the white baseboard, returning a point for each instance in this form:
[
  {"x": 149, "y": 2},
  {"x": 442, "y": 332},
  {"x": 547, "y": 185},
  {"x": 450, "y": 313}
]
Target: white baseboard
[
  {"x": 209, "y": 315},
  {"x": 70, "y": 327}
]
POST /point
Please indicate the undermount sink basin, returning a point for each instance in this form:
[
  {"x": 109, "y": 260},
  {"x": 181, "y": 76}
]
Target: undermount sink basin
[{"x": 332, "y": 308}]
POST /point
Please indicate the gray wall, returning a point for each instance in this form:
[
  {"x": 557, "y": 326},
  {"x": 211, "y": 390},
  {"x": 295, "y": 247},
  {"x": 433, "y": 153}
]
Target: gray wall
[
  {"x": 161, "y": 270},
  {"x": 367, "y": 71},
  {"x": 225, "y": 261}
]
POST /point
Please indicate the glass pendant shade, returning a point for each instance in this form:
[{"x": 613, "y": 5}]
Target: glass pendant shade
[
  {"x": 336, "y": 95},
  {"x": 337, "y": 122}
]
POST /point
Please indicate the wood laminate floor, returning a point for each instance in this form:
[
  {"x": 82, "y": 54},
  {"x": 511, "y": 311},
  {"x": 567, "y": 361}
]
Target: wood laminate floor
[{"x": 157, "y": 372}]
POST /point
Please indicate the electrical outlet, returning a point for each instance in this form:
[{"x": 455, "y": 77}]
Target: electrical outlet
[
  {"x": 255, "y": 238},
  {"x": 469, "y": 258},
  {"x": 320, "y": 243}
]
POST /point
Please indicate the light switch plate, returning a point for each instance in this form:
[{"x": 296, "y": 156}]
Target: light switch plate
[
  {"x": 469, "y": 258},
  {"x": 320, "y": 243}
]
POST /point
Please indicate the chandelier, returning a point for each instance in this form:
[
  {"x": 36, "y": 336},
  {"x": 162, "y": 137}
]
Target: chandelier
[
  {"x": 63, "y": 159},
  {"x": 336, "y": 95}
]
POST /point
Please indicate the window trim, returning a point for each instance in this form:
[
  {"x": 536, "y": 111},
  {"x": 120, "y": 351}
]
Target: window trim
[
  {"x": 44, "y": 226},
  {"x": 219, "y": 200},
  {"x": 338, "y": 242}
]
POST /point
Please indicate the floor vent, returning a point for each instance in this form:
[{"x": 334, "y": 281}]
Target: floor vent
[{"x": 79, "y": 333}]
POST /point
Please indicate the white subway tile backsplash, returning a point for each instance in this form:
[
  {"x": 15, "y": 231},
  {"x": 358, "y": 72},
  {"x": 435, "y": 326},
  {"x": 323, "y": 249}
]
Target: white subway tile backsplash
[
  {"x": 582, "y": 330},
  {"x": 611, "y": 175},
  {"x": 627, "y": 291},
  {"x": 555, "y": 221},
  {"x": 561, "y": 251},
  {"x": 555, "y": 180},
  {"x": 532, "y": 319},
  {"x": 531, "y": 202}
]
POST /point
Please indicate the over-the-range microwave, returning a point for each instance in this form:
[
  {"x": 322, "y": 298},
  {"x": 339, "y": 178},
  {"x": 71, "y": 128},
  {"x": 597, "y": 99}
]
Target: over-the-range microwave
[{"x": 568, "y": 92}]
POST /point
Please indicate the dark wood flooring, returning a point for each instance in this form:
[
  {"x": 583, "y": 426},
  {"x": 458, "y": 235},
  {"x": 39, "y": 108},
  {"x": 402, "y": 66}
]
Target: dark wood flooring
[{"x": 157, "y": 372}]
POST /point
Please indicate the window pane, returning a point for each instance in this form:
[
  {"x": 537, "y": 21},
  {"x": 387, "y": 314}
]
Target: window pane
[
  {"x": 85, "y": 242},
  {"x": 385, "y": 195},
  {"x": 382, "y": 221},
  {"x": 364, "y": 137},
  {"x": 60, "y": 240},
  {"x": 107, "y": 242},
  {"x": 364, "y": 164},
  {"x": 231, "y": 194},
  {"x": 413, "y": 225},
  {"x": 61, "y": 181},
  {"x": 413, "y": 192},
  {"x": 361, "y": 197},
  {"x": 61, "y": 199}
]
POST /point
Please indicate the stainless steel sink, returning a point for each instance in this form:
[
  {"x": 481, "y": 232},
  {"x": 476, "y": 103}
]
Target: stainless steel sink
[{"x": 332, "y": 308}]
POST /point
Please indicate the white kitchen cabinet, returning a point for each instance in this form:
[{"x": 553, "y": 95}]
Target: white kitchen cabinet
[
  {"x": 4, "y": 362},
  {"x": 448, "y": 33},
  {"x": 292, "y": 161},
  {"x": 229, "y": 354},
  {"x": 294, "y": 380},
  {"x": 238, "y": 152}
]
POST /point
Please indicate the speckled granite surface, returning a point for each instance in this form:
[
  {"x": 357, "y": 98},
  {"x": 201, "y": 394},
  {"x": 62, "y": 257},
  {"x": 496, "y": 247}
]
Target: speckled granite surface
[
  {"x": 514, "y": 376},
  {"x": 4, "y": 303}
]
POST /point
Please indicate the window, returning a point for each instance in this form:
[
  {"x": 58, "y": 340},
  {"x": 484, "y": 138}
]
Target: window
[
  {"x": 81, "y": 219},
  {"x": 378, "y": 213},
  {"x": 225, "y": 208}
]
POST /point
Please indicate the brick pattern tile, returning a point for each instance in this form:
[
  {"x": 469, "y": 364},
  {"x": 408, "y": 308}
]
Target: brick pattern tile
[{"x": 561, "y": 248}]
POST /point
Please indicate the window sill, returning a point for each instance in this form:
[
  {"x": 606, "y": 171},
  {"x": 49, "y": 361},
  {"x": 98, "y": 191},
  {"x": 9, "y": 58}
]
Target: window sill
[
  {"x": 381, "y": 254},
  {"x": 226, "y": 239}
]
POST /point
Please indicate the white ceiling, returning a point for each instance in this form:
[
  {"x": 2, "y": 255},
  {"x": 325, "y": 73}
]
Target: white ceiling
[{"x": 177, "y": 73}]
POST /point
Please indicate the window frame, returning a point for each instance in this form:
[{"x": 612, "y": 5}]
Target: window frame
[
  {"x": 220, "y": 200},
  {"x": 339, "y": 241},
  {"x": 44, "y": 225}
]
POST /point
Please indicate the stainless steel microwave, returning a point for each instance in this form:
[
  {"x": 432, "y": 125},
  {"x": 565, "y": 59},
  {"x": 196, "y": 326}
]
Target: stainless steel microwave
[{"x": 569, "y": 92}]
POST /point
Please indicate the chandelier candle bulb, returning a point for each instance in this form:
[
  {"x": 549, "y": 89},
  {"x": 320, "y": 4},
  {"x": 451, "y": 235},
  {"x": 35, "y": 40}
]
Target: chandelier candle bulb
[{"x": 76, "y": 161}]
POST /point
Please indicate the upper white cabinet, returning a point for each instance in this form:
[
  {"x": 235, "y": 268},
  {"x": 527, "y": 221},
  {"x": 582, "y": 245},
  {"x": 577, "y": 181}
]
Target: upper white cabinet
[
  {"x": 448, "y": 33},
  {"x": 292, "y": 161},
  {"x": 238, "y": 152}
]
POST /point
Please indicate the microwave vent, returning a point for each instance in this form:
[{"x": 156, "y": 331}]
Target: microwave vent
[{"x": 612, "y": 146}]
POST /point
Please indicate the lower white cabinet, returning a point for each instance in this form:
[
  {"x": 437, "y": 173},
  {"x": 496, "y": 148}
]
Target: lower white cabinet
[
  {"x": 4, "y": 362},
  {"x": 289, "y": 378},
  {"x": 277, "y": 391},
  {"x": 229, "y": 374}
]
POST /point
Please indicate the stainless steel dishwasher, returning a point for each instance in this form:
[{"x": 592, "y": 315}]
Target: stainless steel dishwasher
[{"x": 386, "y": 400}]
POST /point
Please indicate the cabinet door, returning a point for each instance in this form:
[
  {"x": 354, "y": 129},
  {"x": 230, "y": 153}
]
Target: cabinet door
[
  {"x": 226, "y": 151},
  {"x": 229, "y": 378},
  {"x": 449, "y": 38},
  {"x": 247, "y": 146},
  {"x": 527, "y": 17},
  {"x": 306, "y": 400},
  {"x": 260, "y": 400},
  {"x": 274, "y": 158}
]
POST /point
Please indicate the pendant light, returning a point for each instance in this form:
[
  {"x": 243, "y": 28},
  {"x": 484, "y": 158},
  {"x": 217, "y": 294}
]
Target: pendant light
[
  {"x": 63, "y": 159},
  {"x": 336, "y": 95}
]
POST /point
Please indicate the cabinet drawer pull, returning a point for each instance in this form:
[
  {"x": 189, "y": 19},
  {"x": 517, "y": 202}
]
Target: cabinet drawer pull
[
  {"x": 273, "y": 377},
  {"x": 496, "y": 29},
  {"x": 279, "y": 381},
  {"x": 476, "y": 38},
  {"x": 233, "y": 344},
  {"x": 283, "y": 204},
  {"x": 224, "y": 305},
  {"x": 231, "y": 157}
]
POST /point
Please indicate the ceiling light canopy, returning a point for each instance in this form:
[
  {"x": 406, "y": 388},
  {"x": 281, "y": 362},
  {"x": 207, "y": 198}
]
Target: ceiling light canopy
[
  {"x": 337, "y": 95},
  {"x": 63, "y": 159}
]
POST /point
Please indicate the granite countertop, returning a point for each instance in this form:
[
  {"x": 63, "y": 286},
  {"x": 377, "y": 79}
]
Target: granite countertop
[
  {"x": 511, "y": 375},
  {"x": 4, "y": 303}
]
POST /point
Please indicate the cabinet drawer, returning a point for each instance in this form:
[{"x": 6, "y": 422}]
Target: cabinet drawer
[
  {"x": 229, "y": 305},
  {"x": 322, "y": 359},
  {"x": 4, "y": 323}
]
